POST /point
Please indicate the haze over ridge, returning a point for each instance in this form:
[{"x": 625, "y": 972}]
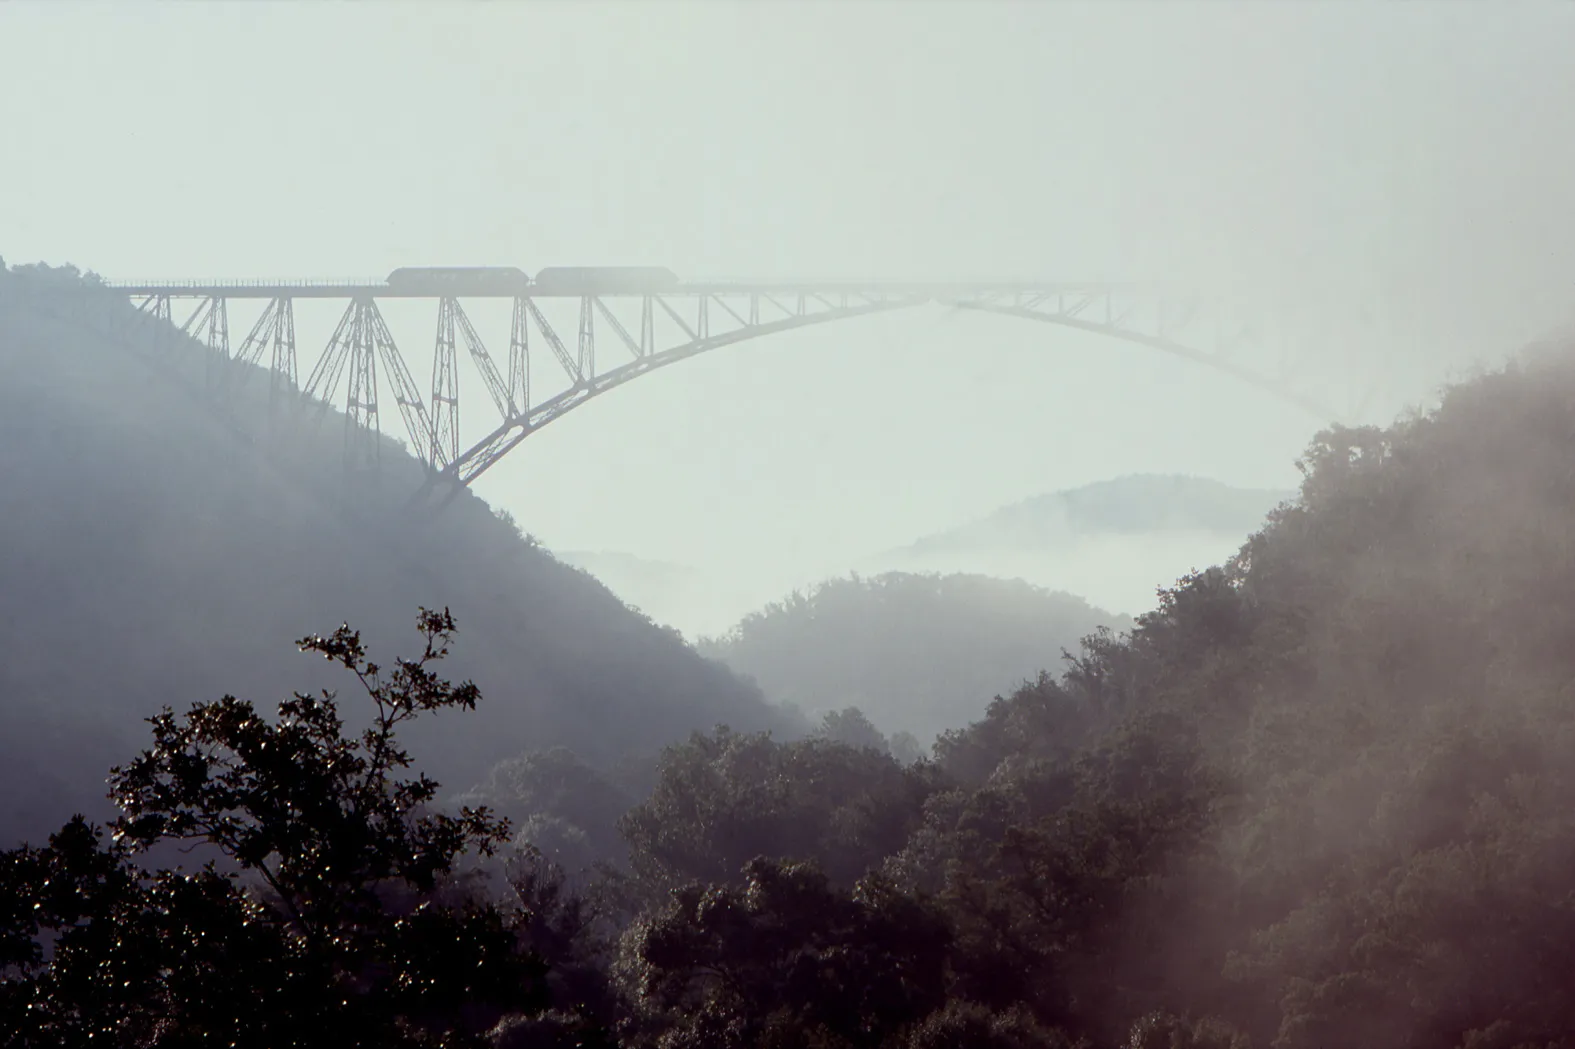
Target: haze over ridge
[{"x": 1113, "y": 543}]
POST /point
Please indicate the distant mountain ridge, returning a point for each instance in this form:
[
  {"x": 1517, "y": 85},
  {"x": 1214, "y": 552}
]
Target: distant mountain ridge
[
  {"x": 1112, "y": 542},
  {"x": 1133, "y": 505},
  {"x": 920, "y": 653}
]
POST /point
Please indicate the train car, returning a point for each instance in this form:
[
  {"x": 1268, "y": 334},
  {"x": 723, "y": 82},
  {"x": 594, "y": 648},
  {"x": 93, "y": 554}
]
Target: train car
[
  {"x": 604, "y": 280},
  {"x": 460, "y": 280}
]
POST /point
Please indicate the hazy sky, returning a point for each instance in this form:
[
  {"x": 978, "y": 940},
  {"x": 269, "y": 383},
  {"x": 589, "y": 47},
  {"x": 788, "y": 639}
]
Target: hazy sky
[{"x": 1416, "y": 153}]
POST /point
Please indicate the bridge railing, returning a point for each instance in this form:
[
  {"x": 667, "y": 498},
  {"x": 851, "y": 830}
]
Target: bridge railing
[
  {"x": 688, "y": 284},
  {"x": 287, "y": 282}
]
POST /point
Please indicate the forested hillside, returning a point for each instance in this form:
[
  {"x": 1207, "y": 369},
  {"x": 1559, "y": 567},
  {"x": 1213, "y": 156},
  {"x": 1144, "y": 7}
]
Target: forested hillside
[
  {"x": 1318, "y": 798},
  {"x": 156, "y": 550},
  {"x": 915, "y": 653}
]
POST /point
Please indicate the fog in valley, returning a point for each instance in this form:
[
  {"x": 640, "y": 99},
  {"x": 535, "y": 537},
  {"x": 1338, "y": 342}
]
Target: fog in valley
[{"x": 928, "y": 677}]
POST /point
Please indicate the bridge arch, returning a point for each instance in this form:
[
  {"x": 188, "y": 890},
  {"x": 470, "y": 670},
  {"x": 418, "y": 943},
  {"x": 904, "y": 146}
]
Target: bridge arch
[
  {"x": 1050, "y": 308},
  {"x": 702, "y": 317}
]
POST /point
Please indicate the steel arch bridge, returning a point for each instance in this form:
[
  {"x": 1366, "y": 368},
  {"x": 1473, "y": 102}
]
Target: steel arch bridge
[{"x": 651, "y": 322}]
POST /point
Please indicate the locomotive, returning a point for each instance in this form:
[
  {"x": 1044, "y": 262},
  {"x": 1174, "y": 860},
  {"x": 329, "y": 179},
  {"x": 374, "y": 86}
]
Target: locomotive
[{"x": 604, "y": 280}]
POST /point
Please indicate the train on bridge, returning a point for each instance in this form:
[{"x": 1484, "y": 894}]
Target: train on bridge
[
  {"x": 454, "y": 280},
  {"x": 511, "y": 280}
]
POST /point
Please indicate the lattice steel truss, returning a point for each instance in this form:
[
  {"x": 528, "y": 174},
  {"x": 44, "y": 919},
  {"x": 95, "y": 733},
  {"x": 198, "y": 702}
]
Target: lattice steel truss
[{"x": 624, "y": 335}]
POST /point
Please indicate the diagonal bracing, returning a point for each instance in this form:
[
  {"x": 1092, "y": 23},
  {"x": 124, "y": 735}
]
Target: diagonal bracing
[{"x": 651, "y": 328}]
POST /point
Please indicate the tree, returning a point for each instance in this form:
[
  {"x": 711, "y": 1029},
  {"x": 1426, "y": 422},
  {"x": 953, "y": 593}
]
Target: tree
[
  {"x": 905, "y": 747},
  {"x": 319, "y": 917},
  {"x": 558, "y": 804},
  {"x": 787, "y": 959},
  {"x": 851, "y": 728},
  {"x": 963, "y": 1025},
  {"x": 723, "y": 799}
]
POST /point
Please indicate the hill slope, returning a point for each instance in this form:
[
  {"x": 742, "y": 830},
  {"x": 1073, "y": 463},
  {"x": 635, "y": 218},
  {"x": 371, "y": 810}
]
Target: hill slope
[
  {"x": 915, "y": 653},
  {"x": 666, "y": 592},
  {"x": 152, "y": 556},
  {"x": 1115, "y": 542},
  {"x": 1336, "y": 769},
  {"x": 1138, "y": 504}
]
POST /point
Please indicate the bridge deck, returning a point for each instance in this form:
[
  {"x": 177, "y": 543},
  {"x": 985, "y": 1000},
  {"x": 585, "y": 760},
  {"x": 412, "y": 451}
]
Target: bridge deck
[{"x": 309, "y": 289}]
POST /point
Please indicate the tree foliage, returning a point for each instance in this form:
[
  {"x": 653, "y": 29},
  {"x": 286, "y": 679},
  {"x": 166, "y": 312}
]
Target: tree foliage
[
  {"x": 318, "y": 916},
  {"x": 725, "y": 798},
  {"x": 786, "y": 959}
]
